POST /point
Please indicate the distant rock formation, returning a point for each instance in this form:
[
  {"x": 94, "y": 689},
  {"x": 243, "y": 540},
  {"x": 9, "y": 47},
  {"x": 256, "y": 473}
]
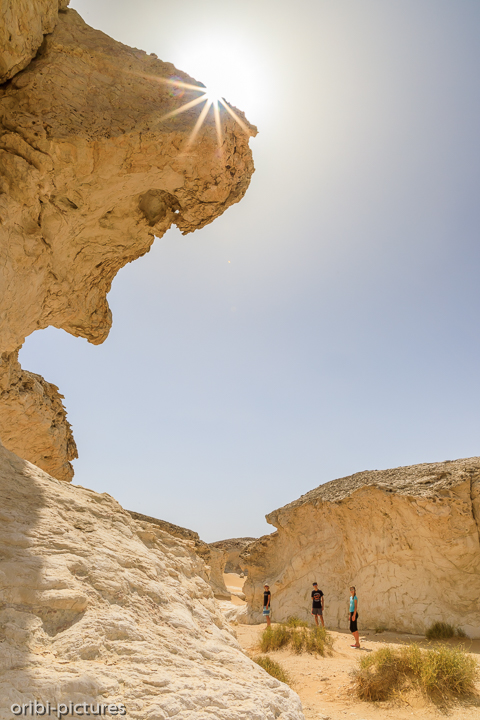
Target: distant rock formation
[
  {"x": 98, "y": 607},
  {"x": 213, "y": 558},
  {"x": 232, "y": 550},
  {"x": 93, "y": 165},
  {"x": 407, "y": 538}
]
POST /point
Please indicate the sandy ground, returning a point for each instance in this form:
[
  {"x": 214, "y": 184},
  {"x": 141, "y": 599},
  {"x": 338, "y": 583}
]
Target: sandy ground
[
  {"x": 324, "y": 684},
  {"x": 234, "y": 584}
]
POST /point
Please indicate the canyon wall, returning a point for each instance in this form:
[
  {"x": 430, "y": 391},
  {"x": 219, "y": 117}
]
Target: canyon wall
[
  {"x": 232, "y": 550},
  {"x": 407, "y": 538},
  {"x": 94, "y": 163},
  {"x": 98, "y": 607},
  {"x": 213, "y": 557}
]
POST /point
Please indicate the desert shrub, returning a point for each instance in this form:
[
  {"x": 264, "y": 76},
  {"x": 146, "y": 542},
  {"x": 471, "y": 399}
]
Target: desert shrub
[
  {"x": 298, "y": 640},
  {"x": 378, "y": 675},
  {"x": 461, "y": 633},
  {"x": 318, "y": 641},
  {"x": 273, "y": 668},
  {"x": 379, "y": 629},
  {"x": 442, "y": 673},
  {"x": 274, "y": 637},
  {"x": 447, "y": 671},
  {"x": 440, "y": 631},
  {"x": 314, "y": 640},
  {"x": 295, "y": 622}
]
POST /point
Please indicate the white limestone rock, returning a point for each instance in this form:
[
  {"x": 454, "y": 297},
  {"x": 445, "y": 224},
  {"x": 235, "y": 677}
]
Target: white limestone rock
[{"x": 98, "y": 607}]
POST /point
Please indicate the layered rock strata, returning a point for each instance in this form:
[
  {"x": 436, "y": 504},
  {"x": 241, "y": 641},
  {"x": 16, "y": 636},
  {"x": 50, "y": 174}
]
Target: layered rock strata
[
  {"x": 98, "y": 607},
  {"x": 407, "y": 538},
  {"x": 94, "y": 163}
]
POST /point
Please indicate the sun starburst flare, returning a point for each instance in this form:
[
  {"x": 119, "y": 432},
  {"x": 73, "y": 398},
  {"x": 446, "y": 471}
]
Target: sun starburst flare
[{"x": 211, "y": 99}]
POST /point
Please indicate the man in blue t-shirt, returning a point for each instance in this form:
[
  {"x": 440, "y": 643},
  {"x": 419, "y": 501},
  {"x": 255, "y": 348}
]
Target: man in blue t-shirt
[{"x": 318, "y": 600}]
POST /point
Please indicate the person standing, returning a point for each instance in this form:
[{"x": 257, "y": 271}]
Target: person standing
[
  {"x": 353, "y": 616},
  {"x": 318, "y": 600},
  {"x": 267, "y": 596}
]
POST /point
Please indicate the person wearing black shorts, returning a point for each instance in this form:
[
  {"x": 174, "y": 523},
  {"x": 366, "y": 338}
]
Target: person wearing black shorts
[
  {"x": 318, "y": 599},
  {"x": 353, "y": 616}
]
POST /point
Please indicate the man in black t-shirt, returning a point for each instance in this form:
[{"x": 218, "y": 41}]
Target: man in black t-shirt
[
  {"x": 318, "y": 600},
  {"x": 266, "y": 603}
]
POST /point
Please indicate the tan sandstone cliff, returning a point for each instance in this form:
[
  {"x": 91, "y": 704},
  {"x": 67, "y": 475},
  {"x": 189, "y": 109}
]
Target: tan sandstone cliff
[
  {"x": 407, "y": 538},
  {"x": 98, "y": 607},
  {"x": 93, "y": 165}
]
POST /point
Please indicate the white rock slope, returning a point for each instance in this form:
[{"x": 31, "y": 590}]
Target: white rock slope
[{"x": 98, "y": 607}]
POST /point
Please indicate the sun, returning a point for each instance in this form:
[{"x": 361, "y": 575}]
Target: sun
[{"x": 214, "y": 93}]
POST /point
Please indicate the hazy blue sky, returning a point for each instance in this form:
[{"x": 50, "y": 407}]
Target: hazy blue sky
[{"x": 343, "y": 333}]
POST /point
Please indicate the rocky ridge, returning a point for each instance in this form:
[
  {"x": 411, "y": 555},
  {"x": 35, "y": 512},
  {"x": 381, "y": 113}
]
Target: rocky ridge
[{"x": 407, "y": 538}]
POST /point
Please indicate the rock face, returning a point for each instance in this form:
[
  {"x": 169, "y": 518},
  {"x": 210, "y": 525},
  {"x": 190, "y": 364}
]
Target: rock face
[
  {"x": 93, "y": 165},
  {"x": 33, "y": 420},
  {"x": 232, "y": 550},
  {"x": 213, "y": 557},
  {"x": 98, "y": 607},
  {"x": 408, "y": 539},
  {"x": 24, "y": 23}
]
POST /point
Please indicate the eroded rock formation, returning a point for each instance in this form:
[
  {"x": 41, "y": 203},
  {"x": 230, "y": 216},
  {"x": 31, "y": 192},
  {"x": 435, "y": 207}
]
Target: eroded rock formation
[
  {"x": 407, "y": 538},
  {"x": 91, "y": 170},
  {"x": 96, "y": 606},
  {"x": 232, "y": 550},
  {"x": 33, "y": 420},
  {"x": 214, "y": 558}
]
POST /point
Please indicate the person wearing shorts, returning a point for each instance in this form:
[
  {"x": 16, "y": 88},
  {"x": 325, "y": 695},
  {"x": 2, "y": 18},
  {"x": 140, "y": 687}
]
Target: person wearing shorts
[
  {"x": 318, "y": 599},
  {"x": 267, "y": 596},
  {"x": 353, "y": 616}
]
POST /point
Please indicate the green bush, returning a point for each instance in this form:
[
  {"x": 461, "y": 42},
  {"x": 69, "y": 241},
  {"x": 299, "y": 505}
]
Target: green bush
[
  {"x": 273, "y": 668},
  {"x": 442, "y": 673},
  {"x": 440, "y": 631}
]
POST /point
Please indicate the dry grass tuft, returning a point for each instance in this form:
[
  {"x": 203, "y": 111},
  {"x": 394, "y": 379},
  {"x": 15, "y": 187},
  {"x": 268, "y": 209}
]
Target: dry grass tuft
[
  {"x": 443, "y": 673},
  {"x": 440, "y": 631},
  {"x": 299, "y": 636},
  {"x": 273, "y": 668}
]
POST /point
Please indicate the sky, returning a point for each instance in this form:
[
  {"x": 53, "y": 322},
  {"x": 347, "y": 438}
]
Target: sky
[{"x": 326, "y": 324}]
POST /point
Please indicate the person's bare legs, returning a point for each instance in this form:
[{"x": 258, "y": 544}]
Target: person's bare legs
[
  {"x": 357, "y": 638},
  {"x": 316, "y": 619},
  {"x": 268, "y": 620},
  {"x": 321, "y": 618}
]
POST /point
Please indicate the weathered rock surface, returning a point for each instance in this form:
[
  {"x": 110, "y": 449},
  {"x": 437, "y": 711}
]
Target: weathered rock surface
[
  {"x": 23, "y": 25},
  {"x": 33, "y": 421},
  {"x": 232, "y": 549},
  {"x": 213, "y": 557},
  {"x": 91, "y": 170},
  {"x": 96, "y": 606},
  {"x": 407, "y": 538}
]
